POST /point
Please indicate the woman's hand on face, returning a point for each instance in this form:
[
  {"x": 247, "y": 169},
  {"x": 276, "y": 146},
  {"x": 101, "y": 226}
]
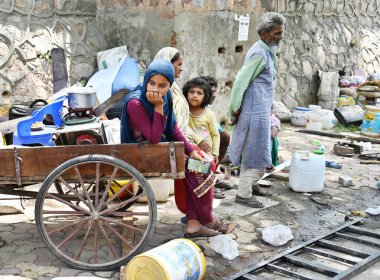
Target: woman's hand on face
[
  {"x": 195, "y": 155},
  {"x": 204, "y": 146},
  {"x": 155, "y": 98}
]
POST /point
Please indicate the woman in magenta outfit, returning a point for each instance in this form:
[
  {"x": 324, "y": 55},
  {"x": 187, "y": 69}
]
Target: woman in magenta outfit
[{"x": 148, "y": 116}]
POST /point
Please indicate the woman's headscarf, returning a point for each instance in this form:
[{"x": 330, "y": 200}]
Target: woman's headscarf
[
  {"x": 166, "y": 53},
  {"x": 157, "y": 67},
  {"x": 180, "y": 105}
]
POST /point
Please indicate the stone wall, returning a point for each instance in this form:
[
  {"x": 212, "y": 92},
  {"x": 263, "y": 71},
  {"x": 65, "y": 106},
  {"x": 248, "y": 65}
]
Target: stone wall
[{"x": 321, "y": 35}]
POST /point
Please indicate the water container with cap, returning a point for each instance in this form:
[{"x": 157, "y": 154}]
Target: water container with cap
[{"x": 307, "y": 172}]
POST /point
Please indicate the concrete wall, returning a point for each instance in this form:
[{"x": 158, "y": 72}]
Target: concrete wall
[{"x": 321, "y": 35}]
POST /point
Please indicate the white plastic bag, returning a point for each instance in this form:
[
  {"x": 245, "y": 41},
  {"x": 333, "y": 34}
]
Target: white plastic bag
[
  {"x": 277, "y": 235},
  {"x": 112, "y": 130},
  {"x": 373, "y": 211},
  {"x": 225, "y": 246},
  {"x": 111, "y": 57}
]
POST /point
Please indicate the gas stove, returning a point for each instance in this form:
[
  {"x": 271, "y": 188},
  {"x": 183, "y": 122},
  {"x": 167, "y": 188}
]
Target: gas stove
[{"x": 79, "y": 116}]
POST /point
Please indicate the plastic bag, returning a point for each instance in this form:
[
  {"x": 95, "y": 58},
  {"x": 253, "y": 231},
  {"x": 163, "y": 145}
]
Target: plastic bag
[
  {"x": 277, "y": 235},
  {"x": 225, "y": 246}
]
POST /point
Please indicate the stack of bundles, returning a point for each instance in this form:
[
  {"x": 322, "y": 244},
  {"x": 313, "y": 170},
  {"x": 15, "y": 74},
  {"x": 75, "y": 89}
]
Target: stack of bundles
[
  {"x": 328, "y": 92},
  {"x": 368, "y": 92}
]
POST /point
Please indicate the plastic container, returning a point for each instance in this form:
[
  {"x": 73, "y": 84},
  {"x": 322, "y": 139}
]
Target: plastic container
[
  {"x": 160, "y": 189},
  {"x": 299, "y": 116},
  {"x": 116, "y": 186},
  {"x": 179, "y": 259},
  {"x": 371, "y": 121},
  {"x": 345, "y": 100},
  {"x": 328, "y": 119},
  {"x": 307, "y": 172},
  {"x": 349, "y": 114},
  {"x": 314, "y": 120}
]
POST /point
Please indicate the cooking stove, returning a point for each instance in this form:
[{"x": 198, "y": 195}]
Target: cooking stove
[
  {"x": 82, "y": 112},
  {"x": 79, "y": 116}
]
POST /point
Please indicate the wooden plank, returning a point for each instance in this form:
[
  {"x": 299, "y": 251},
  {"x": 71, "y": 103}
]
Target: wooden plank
[
  {"x": 60, "y": 77},
  {"x": 341, "y": 136},
  {"x": 11, "y": 125},
  {"x": 102, "y": 108},
  {"x": 41, "y": 161}
]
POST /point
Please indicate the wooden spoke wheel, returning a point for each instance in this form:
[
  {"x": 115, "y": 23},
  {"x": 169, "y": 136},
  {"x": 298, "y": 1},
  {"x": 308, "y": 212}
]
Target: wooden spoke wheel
[{"x": 88, "y": 215}]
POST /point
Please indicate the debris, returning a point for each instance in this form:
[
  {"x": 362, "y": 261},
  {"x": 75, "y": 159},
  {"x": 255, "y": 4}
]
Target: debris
[
  {"x": 367, "y": 146},
  {"x": 224, "y": 245},
  {"x": 369, "y": 161},
  {"x": 9, "y": 210},
  {"x": 358, "y": 213},
  {"x": 373, "y": 211},
  {"x": 277, "y": 235},
  {"x": 319, "y": 200},
  {"x": 346, "y": 181},
  {"x": 343, "y": 150},
  {"x": 316, "y": 143}
]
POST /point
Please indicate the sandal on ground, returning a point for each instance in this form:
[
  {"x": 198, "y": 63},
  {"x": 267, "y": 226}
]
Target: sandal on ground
[
  {"x": 333, "y": 164},
  {"x": 269, "y": 169},
  {"x": 256, "y": 190},
  {"x": 250, "y": 202},
  {"x": 218, "y": 194},
  {"x": 223, "y": 185},
  {"x": 202, "y": 232},
  {"x": 224, "y": 226}
]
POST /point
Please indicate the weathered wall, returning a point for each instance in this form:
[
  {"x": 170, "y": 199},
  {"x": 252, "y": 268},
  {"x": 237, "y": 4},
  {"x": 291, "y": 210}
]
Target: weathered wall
[{"x": 320, "y": 35}]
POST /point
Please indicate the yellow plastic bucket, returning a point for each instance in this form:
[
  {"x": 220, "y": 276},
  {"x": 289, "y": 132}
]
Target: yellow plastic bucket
[
  {"x": 115, "y": 188},
  {"x": 178, "y": 259},
  {"x": 345, "y": 100}
]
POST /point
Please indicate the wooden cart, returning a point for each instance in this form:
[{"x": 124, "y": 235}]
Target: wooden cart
[{"x": 88, "y": 211}]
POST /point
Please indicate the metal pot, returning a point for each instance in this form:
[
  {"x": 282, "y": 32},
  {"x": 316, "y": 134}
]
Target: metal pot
[{"x": 82, "y": 98}]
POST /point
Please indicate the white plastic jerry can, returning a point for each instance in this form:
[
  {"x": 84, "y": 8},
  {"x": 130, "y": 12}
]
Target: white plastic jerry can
[{"x": 307, "y": 172}]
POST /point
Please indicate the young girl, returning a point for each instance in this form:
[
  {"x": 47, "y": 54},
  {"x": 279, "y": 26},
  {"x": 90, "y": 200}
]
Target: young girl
[{"x": 202, "y": 120}]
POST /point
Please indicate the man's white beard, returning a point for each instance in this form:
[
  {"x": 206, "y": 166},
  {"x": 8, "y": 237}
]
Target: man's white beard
[{"x": 275, "y": 46}]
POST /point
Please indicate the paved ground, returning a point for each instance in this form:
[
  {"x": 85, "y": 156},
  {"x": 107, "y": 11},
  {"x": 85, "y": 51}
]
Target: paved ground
[{"x": 307, "y": 214}]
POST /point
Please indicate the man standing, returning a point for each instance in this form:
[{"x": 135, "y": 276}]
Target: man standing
[{"x": 250, "y": 108}]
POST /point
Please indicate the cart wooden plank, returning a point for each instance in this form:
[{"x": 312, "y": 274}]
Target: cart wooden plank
[{"x": 37, "y": 162}]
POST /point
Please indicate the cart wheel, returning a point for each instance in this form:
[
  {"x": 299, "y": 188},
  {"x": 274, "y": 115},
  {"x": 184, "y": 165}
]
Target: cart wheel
[{"x": 80, "y": 216}]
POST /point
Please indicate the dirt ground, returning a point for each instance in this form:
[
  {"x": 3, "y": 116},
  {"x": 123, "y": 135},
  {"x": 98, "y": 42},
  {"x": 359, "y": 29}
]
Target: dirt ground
[{"x": 307, "y": 214}]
